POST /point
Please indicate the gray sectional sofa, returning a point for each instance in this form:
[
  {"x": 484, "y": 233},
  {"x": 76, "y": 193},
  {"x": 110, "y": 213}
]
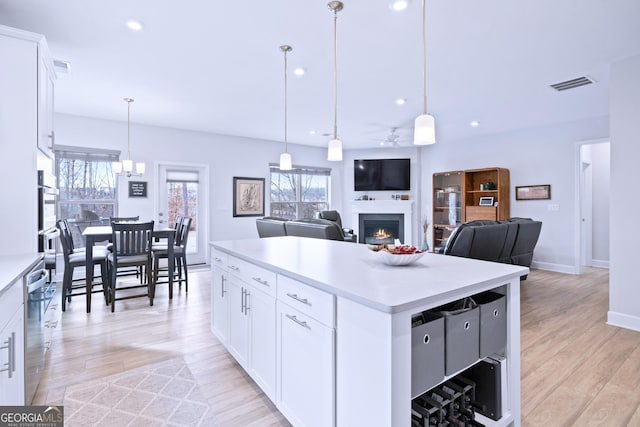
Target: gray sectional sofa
[{"x": 305, "y": 227}]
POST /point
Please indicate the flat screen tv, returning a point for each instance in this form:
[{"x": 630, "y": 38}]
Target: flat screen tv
[{"x": 382, "y": 174}]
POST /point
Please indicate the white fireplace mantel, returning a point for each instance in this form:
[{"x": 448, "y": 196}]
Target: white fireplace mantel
[{"x": 384, "y": 206}]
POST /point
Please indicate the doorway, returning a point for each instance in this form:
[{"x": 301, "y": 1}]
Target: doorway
[
  {"x": 182, "y": 191},
  {"x": 593, "y": 205}
]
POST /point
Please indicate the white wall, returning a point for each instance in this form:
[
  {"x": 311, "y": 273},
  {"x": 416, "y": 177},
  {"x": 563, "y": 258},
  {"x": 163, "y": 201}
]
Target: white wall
[
  {"x": 624, "y": 101},
  {"x": 543, "y": 155},
  {"x": 227, "y": 156}
]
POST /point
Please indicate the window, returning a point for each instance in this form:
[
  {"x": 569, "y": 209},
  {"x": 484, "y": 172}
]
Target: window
[
  {"x": 87, "y": 187},
  {"x": 299, "y": 193},
  {"x": 182, "y": 200}
]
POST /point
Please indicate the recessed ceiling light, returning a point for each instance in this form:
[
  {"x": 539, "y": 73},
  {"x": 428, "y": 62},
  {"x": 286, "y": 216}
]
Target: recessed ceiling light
[
  {"x": 474, "y": 124},
  {"x": 299, "y": 71},
  {"x": 401, "y": 101},
  {"x": 134, "y": 25},
  {"x": 312, "y": 132},
  {"x": 399, "y": 5}
]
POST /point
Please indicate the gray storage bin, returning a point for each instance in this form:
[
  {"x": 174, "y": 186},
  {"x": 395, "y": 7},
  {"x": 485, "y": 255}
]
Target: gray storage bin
[
  {"x": 493, "y": 322},
  {"x": 462, "y": 334},
  {"x": 427, "y": 352}
]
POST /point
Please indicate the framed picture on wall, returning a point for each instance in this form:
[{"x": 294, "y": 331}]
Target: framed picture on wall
[
  {"x": 248, "y": 196},
  {"x": 533, "y": 192}
]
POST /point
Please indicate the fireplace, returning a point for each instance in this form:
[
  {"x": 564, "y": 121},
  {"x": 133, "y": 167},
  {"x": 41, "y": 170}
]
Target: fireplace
[{"x": 377, "y": 229}]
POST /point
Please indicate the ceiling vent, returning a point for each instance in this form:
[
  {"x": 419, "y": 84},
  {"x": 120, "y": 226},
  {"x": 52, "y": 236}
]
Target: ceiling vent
[{"x": 573, "y": 83}]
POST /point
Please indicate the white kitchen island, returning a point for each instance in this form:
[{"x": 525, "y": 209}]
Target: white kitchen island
[{"x": 324, "y": 328}]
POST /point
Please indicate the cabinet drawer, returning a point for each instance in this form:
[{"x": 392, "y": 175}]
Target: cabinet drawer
[
  {"x": 252, "y": 274},
  {"x": 219, "y": 259},
  {"x": 309, "y": 300}
]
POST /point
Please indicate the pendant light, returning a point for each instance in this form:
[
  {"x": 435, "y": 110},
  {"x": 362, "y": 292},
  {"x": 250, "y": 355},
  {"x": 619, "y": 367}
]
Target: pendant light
[
  {"x": 425, "y": 128},
  {"x": 335, "y": 145},
  {"x": 285, "y": 158},
  {"x": 126, "y": 166}
]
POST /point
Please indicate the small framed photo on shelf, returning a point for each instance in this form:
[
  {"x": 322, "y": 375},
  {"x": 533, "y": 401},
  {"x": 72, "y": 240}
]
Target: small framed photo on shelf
[
  {"x": 533, "y": 192},
  {"x": 485, "y": 201}
]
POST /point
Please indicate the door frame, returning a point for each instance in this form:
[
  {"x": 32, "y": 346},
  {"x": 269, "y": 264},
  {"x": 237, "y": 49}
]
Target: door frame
[
  {"x": 203, "y": 202},
  {"x": 580, "y": 239}
]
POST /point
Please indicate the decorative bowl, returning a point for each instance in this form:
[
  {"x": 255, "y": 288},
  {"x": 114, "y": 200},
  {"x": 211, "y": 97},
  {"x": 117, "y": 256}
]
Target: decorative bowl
[{"x": 389, "y": 258}]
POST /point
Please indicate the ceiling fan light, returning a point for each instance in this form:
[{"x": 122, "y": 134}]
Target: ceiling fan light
[
  {"x": 285, "y": 162},
  {"x": 424, "y": 132},
  {"x": 335, "y": 151}
]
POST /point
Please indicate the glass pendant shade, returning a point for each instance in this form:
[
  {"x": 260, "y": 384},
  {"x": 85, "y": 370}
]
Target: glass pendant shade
[
  {"x": 116, "y": 167},
  {"x": 424, "y": 132},
  {"x": 335, "y": 151},
  {"x": 140, "y": 168},
  {"x": 285, "y": 162},
  {"x": 127, "y": 165}
]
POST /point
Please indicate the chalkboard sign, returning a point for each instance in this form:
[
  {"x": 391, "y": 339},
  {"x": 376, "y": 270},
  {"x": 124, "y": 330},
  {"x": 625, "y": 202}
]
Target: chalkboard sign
[{"x": 137, "y": 188}]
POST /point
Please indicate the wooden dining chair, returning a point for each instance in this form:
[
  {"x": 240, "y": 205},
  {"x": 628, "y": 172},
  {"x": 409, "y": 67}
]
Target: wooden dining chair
[
  {"x": 131, "y": 248},
  {"x": 135, "y": 271},
  {"x": 179, "y": 254},
  {"x": 77, "y": 258}
]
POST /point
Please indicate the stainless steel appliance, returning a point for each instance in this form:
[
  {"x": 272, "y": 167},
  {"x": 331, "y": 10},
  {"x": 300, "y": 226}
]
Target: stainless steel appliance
[
  {"x": 47, "y": 194},
  {"x": 38, "y": 294}
]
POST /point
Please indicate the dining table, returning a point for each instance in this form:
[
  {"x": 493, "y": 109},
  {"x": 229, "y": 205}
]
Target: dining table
[{"x": 102, "y": 233}]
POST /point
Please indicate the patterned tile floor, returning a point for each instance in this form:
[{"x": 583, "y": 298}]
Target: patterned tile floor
[{"x": 162, "y": 394}]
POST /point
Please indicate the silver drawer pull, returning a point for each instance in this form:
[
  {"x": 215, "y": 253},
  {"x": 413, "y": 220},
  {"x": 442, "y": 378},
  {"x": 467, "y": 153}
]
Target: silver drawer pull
[
  {"x": 216, "y": 259},
  {"x": 297, "y": 298},
  {"x": 299, "y": 322},
  {"x": 262, "y": 282},
  {"x": 233, "y": 267}
]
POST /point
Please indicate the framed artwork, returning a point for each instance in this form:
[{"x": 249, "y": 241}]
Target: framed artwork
[
  {"x": 248, "y": 196},
  {"x": 137, "y": 188},
  {"x": 533, "y": 192},
  {"x": 486, "y": 201}
]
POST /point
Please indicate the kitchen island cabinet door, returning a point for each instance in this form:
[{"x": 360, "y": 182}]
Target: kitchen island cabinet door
[
  {"x": 12, "y": 360},
  {"x": 220, "y": 303},
  {"x": 262, "y": 315},
  {"x": 306, "y": 369},
  {"x": 238, "y": 322}
]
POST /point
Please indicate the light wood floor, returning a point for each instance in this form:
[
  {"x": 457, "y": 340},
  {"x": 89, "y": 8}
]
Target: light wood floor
[{"x": 576, "y": 370}]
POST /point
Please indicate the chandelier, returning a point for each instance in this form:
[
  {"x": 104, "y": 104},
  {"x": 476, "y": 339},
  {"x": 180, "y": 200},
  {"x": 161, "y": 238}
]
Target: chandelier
[{"x": 126, "y": 166}]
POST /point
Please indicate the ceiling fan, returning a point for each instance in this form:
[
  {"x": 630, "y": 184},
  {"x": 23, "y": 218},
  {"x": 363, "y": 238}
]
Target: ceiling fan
[{"x": 392, "y": 139}]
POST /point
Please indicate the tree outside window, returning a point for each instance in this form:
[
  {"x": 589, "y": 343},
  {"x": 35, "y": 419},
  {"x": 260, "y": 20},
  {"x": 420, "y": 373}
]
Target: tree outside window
[
  {"x": 300, "y": 192},
  {"x": 87, "y": 187}
]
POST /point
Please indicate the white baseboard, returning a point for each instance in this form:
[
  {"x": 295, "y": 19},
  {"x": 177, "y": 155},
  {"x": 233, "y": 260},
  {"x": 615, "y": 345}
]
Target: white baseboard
[
  {"x": 558, "y": 268},
  {"x": 600, "y": 263},
  {"x": 623, "y": 320}
]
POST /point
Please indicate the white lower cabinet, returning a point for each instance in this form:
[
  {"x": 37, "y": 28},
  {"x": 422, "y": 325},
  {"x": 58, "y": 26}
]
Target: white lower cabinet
[
  {"x": 238, "y": 344},
  {"x": 220, "y": 303},
  {"x": 252, "y": 322},
  {"x": 306, "y": 369},
  {"x": 12, "y": 387},
  {"x": 262, "y": 345}
]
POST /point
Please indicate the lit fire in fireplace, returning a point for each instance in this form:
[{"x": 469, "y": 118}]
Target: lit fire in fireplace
[{"x": 381, "y": 233}]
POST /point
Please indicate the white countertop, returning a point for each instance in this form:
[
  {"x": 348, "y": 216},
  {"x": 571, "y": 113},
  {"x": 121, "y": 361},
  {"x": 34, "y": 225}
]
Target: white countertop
[
  {"x": 13, "y": 267},
  {"x": 352, "y": 270}
]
